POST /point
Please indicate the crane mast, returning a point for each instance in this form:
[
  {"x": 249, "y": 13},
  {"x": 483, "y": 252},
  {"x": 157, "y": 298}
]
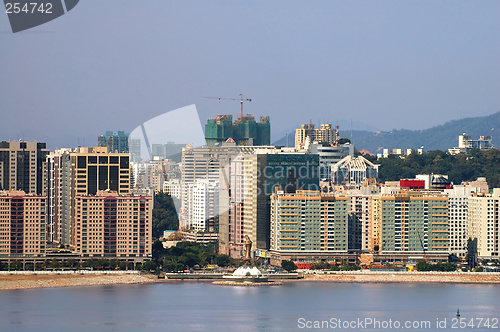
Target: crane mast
[{"x": 422, "y": 244}]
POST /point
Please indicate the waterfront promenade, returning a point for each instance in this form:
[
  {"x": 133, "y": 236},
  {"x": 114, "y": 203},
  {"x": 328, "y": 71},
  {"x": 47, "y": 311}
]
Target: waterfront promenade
[{"x": 40, "y": 279}]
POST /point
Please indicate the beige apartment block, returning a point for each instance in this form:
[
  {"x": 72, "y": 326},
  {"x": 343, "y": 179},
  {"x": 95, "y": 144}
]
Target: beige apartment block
[
  {"x": 326, "y": 133},
  {"x": 112, "y": 225},
  {"x": 22, "y": 224},
  {"x": 82, "y": 171}
]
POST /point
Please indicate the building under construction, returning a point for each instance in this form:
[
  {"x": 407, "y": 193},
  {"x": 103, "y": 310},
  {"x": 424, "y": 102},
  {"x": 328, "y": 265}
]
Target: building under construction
[{"x": 244, "y": 131}]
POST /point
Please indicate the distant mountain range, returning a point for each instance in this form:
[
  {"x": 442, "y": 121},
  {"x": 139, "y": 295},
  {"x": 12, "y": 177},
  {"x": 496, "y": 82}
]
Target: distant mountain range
[{"x": 441, "y": 137}]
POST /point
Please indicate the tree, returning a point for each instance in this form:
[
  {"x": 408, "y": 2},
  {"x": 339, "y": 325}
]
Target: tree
[
  {"x": 349, "y": 267},
  {"x": 459, "y": 168},
  {"x": 164, "y": 214},
  {"x": 288, "y": 266},
  {"x": 222, "y": 260},
  {"x": 344, "y": 140},
  {"x": 148, "y": 266}
]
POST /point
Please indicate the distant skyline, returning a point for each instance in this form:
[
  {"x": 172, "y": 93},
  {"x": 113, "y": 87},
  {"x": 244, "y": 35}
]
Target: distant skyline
[{"x": 384, "y": 65}]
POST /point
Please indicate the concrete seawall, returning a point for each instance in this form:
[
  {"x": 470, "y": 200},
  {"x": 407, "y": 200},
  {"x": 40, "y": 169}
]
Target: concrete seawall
[{"x": 216, "y": 276}]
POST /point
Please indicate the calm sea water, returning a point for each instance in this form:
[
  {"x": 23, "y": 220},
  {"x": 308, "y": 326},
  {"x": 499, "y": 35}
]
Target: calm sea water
[{"x": 193, "y": 306}]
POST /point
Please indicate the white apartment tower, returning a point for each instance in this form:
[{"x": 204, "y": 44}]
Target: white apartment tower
[{"x": 484, "y": 223}]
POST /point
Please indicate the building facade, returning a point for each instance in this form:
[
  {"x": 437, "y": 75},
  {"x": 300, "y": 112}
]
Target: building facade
[
  {"x": 484, "y": 223},
  {"x": 326, "y": 133},
  {"x": 111, "y": 225},
  {"x": 83, "y": 171},
  {"x": 252, "y": 179},
  {"x": 308, "y": 221},
  {"x": 329, "y": 156},
  {"x": 115, "y": 141},
  {"x": 353, "y": 171},
  {"x": 244, "y": 131},
  {"x": 22, "y": 166},
  {"x": 22, "y": 224},
  {"x": 58, "y": 184},
  {"x": 409, "y": 222}
]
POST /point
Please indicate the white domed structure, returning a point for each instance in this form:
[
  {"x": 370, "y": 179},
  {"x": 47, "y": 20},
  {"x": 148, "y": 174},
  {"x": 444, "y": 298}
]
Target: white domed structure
[{"x": 246, "y": 274}]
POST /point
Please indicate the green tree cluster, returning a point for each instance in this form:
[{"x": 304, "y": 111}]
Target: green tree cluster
[
  {"x": 187, "y": 255},
  {"x": 288, "y": 266},
  {"x": 349, "y": 267},
  {"x": 461, "y": 167},
  {"x": 164, "y": 215},
  {"x": 439, "y": 267}
]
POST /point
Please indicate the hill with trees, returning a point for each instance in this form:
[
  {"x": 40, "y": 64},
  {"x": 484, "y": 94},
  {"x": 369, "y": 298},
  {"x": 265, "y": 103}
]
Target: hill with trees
[
  {"x": 440, "y": 137},
  {"x": 459, "y": 168}
]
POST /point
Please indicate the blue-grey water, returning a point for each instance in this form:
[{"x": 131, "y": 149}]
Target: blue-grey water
[{"x": 193, "y": 306}]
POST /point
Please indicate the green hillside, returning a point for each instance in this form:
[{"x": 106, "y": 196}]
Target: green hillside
[{"x": 441, "y": 137}]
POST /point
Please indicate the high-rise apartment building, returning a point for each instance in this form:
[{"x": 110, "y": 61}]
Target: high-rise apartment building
[
  {"x": 308, "y": 222},
  {"x": 359, "y": 222},
  {"x": 83, "y": 171},
  {"x": 244, "y": 131},
  {"x": 484, "y": 223},
  {"x": 95, "y": 169},
  {"x": 326, "y": 133},
  {"x": 459, "y": 217},
  {"x": 115, "y": 141},
  {"x": 58, "y": 186},
  {"x": 252, "y": 179},
  {"x": 208, "y": 163},
  {"x": 111, "y": 225},
  {"x": 22, "y": 224},
  {"x": 22, "y": 166},
  {"x": 400, "y": 221},
  {"x": 134, "y": 146},
  {"x": 204, "y": 197}
]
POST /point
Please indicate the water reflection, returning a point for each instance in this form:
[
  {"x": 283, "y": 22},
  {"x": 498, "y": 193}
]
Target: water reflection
[{"x": 202, "y": 306}]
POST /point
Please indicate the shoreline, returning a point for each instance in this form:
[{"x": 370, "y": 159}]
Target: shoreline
[
  {"x": 430, "y": 277},
  {"x": 56, "y": 280},
  {"x": 53, "y": 280}
]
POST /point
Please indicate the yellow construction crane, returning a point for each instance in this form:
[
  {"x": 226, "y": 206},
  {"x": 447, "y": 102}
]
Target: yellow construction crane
[{"x": 241, "y": 99}]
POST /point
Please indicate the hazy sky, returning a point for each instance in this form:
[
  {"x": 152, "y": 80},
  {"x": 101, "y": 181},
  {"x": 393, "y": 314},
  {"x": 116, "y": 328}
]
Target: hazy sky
[{"x": 112, "y": 65}]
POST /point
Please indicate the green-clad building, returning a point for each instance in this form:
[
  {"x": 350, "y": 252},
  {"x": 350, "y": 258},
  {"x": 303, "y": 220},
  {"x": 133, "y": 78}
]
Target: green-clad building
[
  {"x": 410, "y": 222},
  {"x": 309, "y": 222},
  {"x": 244, "y": 131}
]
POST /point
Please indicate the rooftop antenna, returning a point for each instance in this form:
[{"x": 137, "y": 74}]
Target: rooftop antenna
[{"x": 351, "y": 131}]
